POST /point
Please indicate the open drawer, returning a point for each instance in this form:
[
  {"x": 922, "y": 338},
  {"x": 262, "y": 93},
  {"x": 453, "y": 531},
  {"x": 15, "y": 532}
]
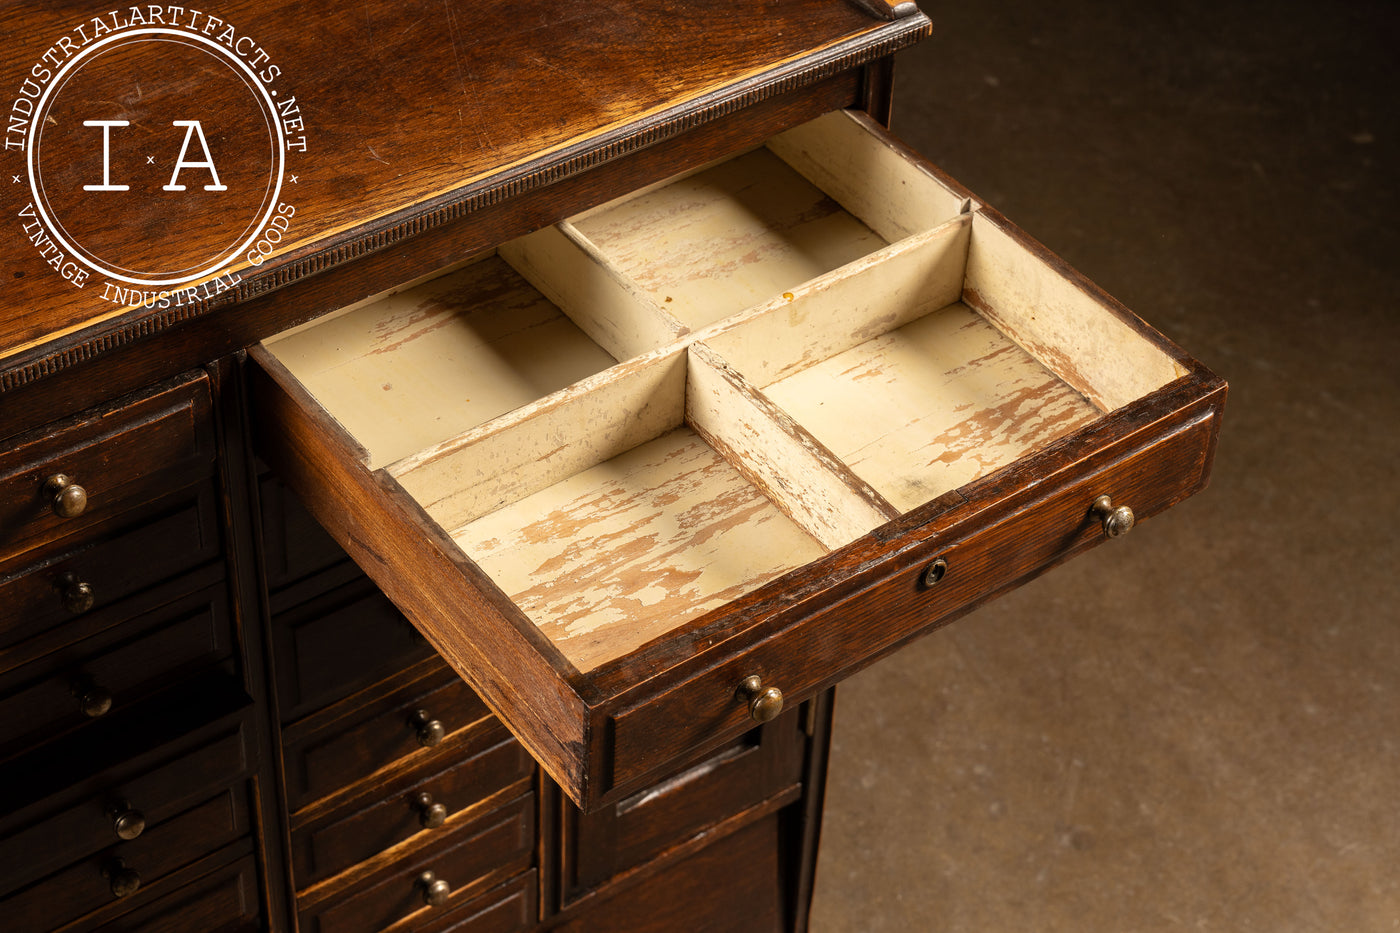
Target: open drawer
[{"x": 705, "y": 450}]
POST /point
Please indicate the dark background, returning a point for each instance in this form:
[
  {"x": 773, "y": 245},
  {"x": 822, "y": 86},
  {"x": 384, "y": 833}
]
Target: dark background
[{"x": 1196, "y": 727}]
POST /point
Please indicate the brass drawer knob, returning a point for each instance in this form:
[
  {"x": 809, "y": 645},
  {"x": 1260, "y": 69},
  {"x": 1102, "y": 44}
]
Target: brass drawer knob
[
  {"x": 765, "y": 703},
  {"x": 433, "y": 889},
  {"x": 430, "y": 731},
  {"x": 124, "y": 881},
  {"x": 431, "y": 814},
  {"x": 127, "y": 821},
  {"x": 75, "y": 594},
  {"x": 94, "y": 701},
  {"x": 1117, "y": 520},
  {"x": 66, "y": 498}
]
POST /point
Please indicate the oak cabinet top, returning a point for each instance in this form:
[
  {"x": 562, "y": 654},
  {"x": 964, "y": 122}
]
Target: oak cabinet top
[{"x": 162, "y": 162}]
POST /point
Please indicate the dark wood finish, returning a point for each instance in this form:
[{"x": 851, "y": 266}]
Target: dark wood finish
[
  {"x": 128, "y": 663},
  {"x": 334, "y": 645},
  {"x": 380, "y": 736},
  {"x": 293, "y": 545},
  {"x": 124, "y": 454},
  {"x": 224, "y": 901},
  {"x": 157, "y": 852},
  {"x": 474, "y": 857},
  {"x": 363, "y": 828},
  {"x": 72, "y": 827},
  {"x": 732, "y": 884},
  {"x": 506, "y": 909},
  {"x": 758, "y": 765},
  {"x": 183, "y": 533}
]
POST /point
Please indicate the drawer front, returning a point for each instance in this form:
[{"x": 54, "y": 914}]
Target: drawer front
[
  {"x": 506, "y": 909},
  {"x": 501, "y": 842},
  {"x": 224, "y": 901},
  {"x": 431, "y": 803},
  {"x": 758, "y": 765},
  {"x": 819, "y": 650},
  {"x": 728, "y": 885},
  {"x": 106, "y": 674},
  {"x": 111, "y": 458},
  {"x": 330, "y": 647},
  {"x": 180, "y": 535},
  {"x": 429, "y": 717},
  {"x": 294, "y": 546},
  {"x": 120, "y": 871},
  {"x": 73, "y": 828}
]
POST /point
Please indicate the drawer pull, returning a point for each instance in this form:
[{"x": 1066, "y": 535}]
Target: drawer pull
[
  {"x": 127, "y": 821},
  {"x": 67, "y": 498},
  {"x": 430, "y": 731},
  {"x": 433, "y": 889},
  {"x": 1117, "y": 521},
  {"x": 75, "y": 594},
  {"x": 94, "y": 701},
  {"x": 765, "y": 703},
  {"x": 125, "y": 881},
  {"x": 431, "y": 814}
]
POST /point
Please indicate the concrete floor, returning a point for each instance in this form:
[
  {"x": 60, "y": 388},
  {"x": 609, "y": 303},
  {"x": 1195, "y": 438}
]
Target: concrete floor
[{"x": 1196, "y": 727}]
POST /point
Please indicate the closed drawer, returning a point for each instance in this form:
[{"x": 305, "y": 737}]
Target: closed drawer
[
  {"x": 88, "y": 818},
  {"x": 224, "y": 901},
  {"x": 330, "y": 647},
  {"x": 699, "y": 418},
  {"x": 294, "y": 546},
  {"x": 745, "y": 773},
  {"x": 495, "y": 846},
  {"x": 179, "y": 534},
  {"x": 428, "y": 718},
  {"x": 120, "y": 871},
  {"x": 99, "y": 677},
  {"x": 429, "y": 801},
  {"x": 505, "y": 909},
  {"x": 118, "y": 456}
]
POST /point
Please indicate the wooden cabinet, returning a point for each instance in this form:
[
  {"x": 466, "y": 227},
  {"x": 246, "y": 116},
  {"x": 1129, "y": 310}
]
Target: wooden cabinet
[{"x": 482, "y": 554}]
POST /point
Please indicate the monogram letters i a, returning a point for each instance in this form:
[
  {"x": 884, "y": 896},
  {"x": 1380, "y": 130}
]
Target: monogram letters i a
[{"x": 192, "y": 130}]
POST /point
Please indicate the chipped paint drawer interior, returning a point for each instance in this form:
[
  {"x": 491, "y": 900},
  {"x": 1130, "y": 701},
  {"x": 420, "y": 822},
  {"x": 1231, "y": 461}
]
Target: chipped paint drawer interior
[{"x": 634, "y": 417}]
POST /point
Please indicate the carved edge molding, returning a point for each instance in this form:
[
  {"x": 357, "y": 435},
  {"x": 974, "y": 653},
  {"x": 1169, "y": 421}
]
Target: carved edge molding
[{"x": 46, "y": 360}]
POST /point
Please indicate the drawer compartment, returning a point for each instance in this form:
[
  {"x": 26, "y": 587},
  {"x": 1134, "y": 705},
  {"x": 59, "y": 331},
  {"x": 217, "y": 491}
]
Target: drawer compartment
[
  {"x": 225, "y": 901},
  {"x": 120, "y": 871},
  {"x": 100, "y": 676},
  {"x": 328, "y": 648},
  {"x": 432, "y": 801},
  {"x": 759, "y": 765},
  {"x": 183, "y": 533},
  {"x": 430, "y": 716},
  {"x": 492, "y": 847},
  {"x": 830, "y": 360},
  {"x": 69, "y": 827},
  {"x": 111, "y": 459}
]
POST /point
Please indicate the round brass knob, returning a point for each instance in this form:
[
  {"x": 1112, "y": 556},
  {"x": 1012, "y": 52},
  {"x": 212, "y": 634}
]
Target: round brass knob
[
  {"x": 76, "y": 595},
  {"x": 66, "y": 498},
  {"x": 433, "y": 889},
  {"x": 430, "y": 731},
  {"x": 431, "y": 814},
  {"x": 94, "y": 701},
  {"x": 1117, "y": 520},
  {"x": 127, "y": 821},
  {"x": 125, "y": 881},
  {"x": 765, "y": 703}
]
